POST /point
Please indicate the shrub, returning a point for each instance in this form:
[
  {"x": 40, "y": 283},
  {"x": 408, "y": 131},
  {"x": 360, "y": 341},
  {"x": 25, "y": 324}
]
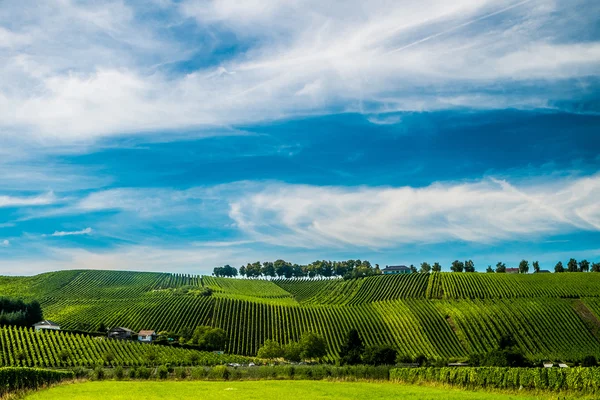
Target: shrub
[
  {"x": 143, "y": 373},
  {"x": 220, "y": 372},
  {"x": 132, "y": 373},
  {"x": 119, "y": 373},
  {"x": 13, "y": 379},
  {"x": 99, "y": 373},
  {"x": 589, "y": 361},
  {"x": 163, "y": 372}
]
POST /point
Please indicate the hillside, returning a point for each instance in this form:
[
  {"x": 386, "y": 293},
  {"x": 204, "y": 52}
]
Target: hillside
[{"x": 440, "y": 315}]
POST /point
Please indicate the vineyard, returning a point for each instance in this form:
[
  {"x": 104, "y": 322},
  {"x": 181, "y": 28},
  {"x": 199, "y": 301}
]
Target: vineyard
[
  {"x": 439, "y": 315},
  {"x": 27, "y": 348}
]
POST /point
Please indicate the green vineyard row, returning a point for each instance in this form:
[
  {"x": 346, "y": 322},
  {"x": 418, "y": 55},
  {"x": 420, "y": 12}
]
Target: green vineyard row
[{"x": 27, "y": 348}]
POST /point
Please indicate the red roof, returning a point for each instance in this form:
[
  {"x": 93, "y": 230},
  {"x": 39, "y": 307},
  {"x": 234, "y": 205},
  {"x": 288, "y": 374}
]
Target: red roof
[
  {"x": 512, "y": 270},
  {"x": 146, "y": 333}
]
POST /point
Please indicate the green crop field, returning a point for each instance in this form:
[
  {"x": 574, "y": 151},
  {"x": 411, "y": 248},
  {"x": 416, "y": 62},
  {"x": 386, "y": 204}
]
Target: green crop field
[
  {"x": 439, "y": 315},
  {"x": 264, "y": 390},
  {"x": 27, "y": 348}
]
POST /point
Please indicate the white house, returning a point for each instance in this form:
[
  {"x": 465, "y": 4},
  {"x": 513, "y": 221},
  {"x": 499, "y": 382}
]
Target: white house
[
  {"x": 146, "y": 336},
  {"x": 46, "y": 325}
]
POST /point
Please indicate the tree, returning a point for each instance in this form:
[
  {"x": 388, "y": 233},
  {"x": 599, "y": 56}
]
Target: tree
[
  {"x": 436, "y": 267},
  {"x": 425, "y": 267},
  {"x": 523, "y": 267},
  {"x": 253, "y": 270},
  {"x": 380, "y": 355},
  {"x": 270, "y": 350},
  {"x": 413, "y": 269},
  {"x": 268, "y": 269},
  {"x": 500, "y": 267},
  {"x": 596, "y": 267},
  {"x": 313, "y": 346},
  {"x": 208, "y": 338},
  {"x": 572, "y": 265},
  {"x": 536, "y": 266},
  {"x": 352, "y": 348},
  {"x": 584, "y": 266},
  {"x": 281, "y": 267},
  {"x": 559, "y": 267},
  {"x": 469, "y": 266},
  {"x": 457, "y": 266},
  {"x": 242, "y": 271},
  {"x": 489, "y": 269},
  {"x": 292, "y": 352}
]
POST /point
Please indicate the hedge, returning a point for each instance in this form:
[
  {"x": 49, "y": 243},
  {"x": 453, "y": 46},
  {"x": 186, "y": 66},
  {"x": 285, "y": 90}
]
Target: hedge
[
  {"x": 554, "y": 379},
  {"x": 13, "y": 379}
]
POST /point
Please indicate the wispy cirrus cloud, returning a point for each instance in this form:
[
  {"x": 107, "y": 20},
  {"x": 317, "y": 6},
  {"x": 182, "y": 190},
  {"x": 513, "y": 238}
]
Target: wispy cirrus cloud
[
  {"x": 483, "y": 211},
  {"x": 25, "y": 201},
  {"x": 314, "y": 58},
  {"x": 86, "y": 231}
]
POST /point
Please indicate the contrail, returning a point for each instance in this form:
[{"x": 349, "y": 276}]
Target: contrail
[{"x": 456, "y": 27}]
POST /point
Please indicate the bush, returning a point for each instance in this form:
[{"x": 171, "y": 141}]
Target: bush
[
  {"x": 589, "y": 361},
  {"x": 119, "y": 373},
  {"x": 143, "y": 373},
  {"x": 220, "y": 372},
  {"x": 163, "y": 372},
  {"x": 132, "y": 373},
  {"x": 553, "y": 379},
  {"x": 379, "y": 355},
  {"x": 80, "y": 372},
  {"x": 181, "y": 373},
  {"x": 13, "y": 379},
  {"x": 99, "y": 373}
]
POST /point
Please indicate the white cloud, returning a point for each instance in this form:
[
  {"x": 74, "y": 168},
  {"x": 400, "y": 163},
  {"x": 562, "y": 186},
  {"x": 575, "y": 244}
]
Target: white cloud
[
  {"x": 21, "y": 201},
  {"x": 6, "y": 243},
  {"x": 75, "y": 72},
  {"x": 86, "y": 231},
  {"x": 384, "y": 217}
]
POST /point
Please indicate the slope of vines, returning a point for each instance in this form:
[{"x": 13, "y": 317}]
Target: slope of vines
[{"x": 27, "y": 348}]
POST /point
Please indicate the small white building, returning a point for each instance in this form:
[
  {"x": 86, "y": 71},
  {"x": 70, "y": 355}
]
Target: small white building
[
  {"x": 46, "y": 325},
  {"x": 548, "y": 365},
  {"x": 146, "y": 336},
  {"x": 563, "y": 365}
]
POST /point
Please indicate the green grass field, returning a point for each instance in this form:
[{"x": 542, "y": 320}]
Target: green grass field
[{"x": 264, "y": 390}]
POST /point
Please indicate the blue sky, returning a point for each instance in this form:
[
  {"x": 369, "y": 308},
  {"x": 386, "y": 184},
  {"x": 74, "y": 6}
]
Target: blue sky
[{"x": 182, "y": 135}]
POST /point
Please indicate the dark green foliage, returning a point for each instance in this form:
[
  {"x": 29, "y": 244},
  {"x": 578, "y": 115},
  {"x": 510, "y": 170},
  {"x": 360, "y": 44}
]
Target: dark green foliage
[
  {"x": 559, "y": 267},
  {"x": 489, "y": 269},
  {"x": 143, "y": 373},
  {"x": 436, "y": 267},
  {"x": 589, "y": 361},
  {"x": 469, "y": 266},
  {"x": 225, "y": 271},
  {"x": 292, "y": 352},
  {"x": 379, "y": 355},
  {"x": 572, "y": 265},
  {"x": 584, "y": 266},
  {"x": 163, "y": 372},
  {"x": 119, "y": 373},
  {"x": 14, "y": 379},
  {"x": 209, "y": 339},
  {"x": 19, "y": 313},
  {"x": 99, "y": 373},
  {"x": 524, "y": 267},
  {"x": 352, "y": 349},
  {"x": 583, "y": 380},
  {"x": 500, "y": 267},
  {"x": 457, "y": 266},
  {"x": 425, "y": 268},
  {"x": 313, "y": 346},
  {"x": 270, "y": 350}
]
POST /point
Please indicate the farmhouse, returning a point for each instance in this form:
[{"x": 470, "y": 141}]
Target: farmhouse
[
  {"x": 46, "y": 325},
  {"x": 396, "y": 269},
  {"x": 146, "y": 336},
  {"x": 120, "y": 333},
  {"x": 512, "y": 270}
]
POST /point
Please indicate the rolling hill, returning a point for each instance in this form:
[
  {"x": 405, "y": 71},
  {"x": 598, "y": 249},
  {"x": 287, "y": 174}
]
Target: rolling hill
[{"x": 440, "y": 315}]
